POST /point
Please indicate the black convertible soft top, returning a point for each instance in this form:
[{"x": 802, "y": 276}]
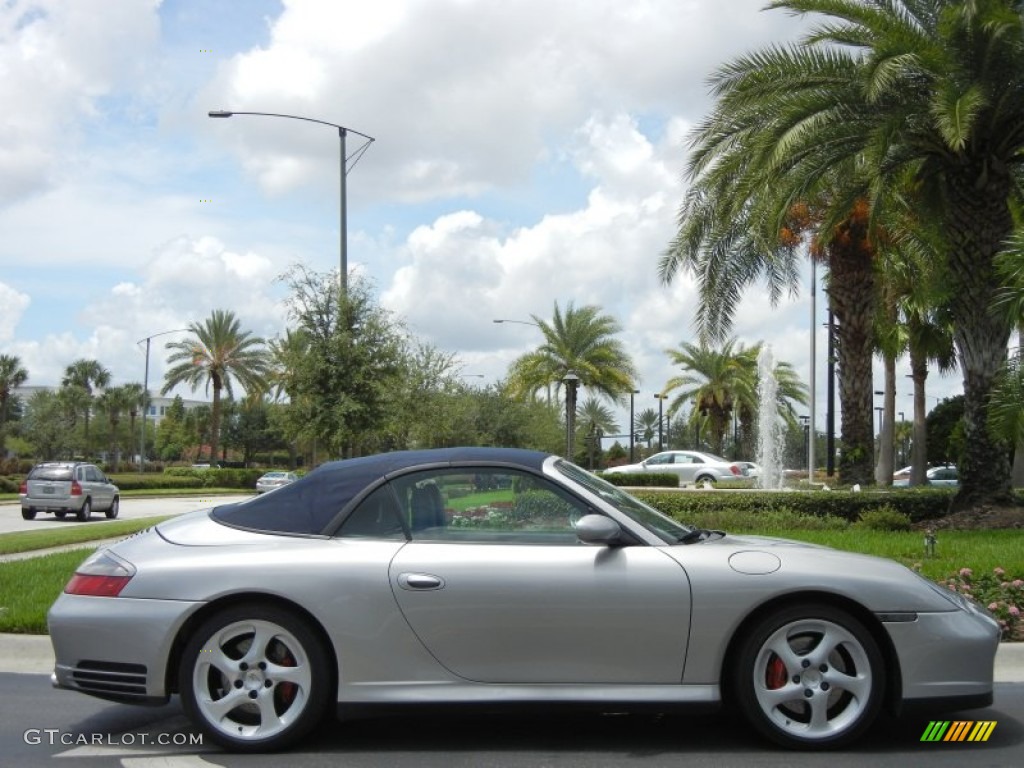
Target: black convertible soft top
[{"x": 309, "y": 505}]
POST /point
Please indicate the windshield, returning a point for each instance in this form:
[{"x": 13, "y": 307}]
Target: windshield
[{"x": 665, "y": 528}]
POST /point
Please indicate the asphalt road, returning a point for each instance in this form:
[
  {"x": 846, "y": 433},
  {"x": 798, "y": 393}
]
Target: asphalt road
[
  {"x": 131, "y": 509},
  {"x": 40, "y": 726}
]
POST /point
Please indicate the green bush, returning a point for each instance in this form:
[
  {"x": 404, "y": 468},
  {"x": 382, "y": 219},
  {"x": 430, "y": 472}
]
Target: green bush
[
  {"x": 642, "y": 479},
  {"x": 925, "y": 504},
  {"x": 884, "y": 519}
]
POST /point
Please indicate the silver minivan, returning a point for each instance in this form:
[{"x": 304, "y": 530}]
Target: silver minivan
[{"x": 61, "y": 487}]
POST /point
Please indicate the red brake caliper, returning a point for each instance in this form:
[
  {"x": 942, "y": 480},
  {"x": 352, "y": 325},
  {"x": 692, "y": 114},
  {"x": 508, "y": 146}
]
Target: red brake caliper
[{"x": 775, "y": 675}]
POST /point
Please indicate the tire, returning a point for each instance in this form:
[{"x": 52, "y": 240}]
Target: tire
[
  {"x": 231, "y": 683},
  {"x": 704, "y": 479},
  {"x": 115, "y": 507},
  {"x": 810, "y": 677},
  {"x": 85, "y": 512},
  {"x": 60, "y": 514},
  {"x": 28, "y": 514}
]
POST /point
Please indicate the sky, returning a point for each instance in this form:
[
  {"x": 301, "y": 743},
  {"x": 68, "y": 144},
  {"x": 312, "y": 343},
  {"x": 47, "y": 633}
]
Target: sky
[{"x": 525, "y": 154}]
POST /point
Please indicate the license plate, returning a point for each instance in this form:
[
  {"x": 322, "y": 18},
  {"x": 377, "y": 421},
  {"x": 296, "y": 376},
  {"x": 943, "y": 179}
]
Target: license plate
[{"x": 48, "y": 489}]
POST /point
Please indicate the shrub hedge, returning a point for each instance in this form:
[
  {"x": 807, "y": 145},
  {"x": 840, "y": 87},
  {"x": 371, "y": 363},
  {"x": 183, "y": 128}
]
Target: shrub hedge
[
  {"x": 642, "y": 479},
  {"x": 921, "y": 504}
]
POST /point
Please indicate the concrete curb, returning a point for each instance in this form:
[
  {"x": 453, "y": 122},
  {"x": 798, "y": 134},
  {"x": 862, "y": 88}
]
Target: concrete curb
[{"x": 32, "y": 654}]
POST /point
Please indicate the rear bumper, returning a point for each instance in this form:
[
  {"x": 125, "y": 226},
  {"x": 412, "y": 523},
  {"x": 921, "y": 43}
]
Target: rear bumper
[{"x": 115, "y": 648}]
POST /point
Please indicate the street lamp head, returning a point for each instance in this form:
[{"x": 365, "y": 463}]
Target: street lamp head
[
  {"x": 219, "y": 113},
  {"x": 571, "y": 377}
]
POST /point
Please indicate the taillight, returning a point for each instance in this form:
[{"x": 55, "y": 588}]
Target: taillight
[
  {"x": 101, "y": 575},
  {"x": 735, "y": 470},
  {"x": 76, "y": 488},
  {"x": 23, "y": 488}
]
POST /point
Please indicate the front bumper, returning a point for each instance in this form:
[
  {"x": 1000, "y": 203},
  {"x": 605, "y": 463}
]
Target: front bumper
[
  {"x": 947, "y": 657},
  {"x": 115, "y": 648}
]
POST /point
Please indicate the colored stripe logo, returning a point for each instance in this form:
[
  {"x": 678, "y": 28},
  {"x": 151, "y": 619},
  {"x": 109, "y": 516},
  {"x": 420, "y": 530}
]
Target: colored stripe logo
[{"x": 958, "y": 730}]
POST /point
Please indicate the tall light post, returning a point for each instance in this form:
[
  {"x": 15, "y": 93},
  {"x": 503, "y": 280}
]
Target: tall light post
[
  {"x": 632, "y": 426},
  {"x": 661, "y": 397},
  {"x": 342, "y": 133},
  {"x": 145, "y": 394},
  {"x": 572, "y": 380}
]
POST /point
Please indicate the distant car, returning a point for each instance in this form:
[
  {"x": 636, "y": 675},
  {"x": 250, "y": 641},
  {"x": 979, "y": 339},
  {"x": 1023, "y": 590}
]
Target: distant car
[
  {"x": 495, "y": 577},
  {"x": 274, "y": 480},
  {"x": 61, "y": 487},
  {"x": 750, "y": 469},
  {"x": 946, "y": 476},
  {"x": 691, "y": 466}
]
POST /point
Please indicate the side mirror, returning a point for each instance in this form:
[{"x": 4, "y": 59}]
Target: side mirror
[{"x": 597, "y": 529}]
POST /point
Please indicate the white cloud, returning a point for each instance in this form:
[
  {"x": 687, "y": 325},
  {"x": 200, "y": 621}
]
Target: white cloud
[
  {"x": 14, "y": 303},
  {"x": 57, "y": 59}
]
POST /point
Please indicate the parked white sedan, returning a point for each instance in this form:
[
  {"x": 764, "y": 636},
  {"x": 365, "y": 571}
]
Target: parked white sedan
[{"x": 691, "y": 466}]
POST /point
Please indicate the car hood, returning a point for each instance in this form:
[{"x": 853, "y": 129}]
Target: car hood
[{"x": 781, "y": 566}]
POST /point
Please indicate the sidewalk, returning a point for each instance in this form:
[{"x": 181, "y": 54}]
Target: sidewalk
[{"x": 32, "y": 654}]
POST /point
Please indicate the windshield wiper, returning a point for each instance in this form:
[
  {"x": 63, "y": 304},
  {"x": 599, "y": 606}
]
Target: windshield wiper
[{"x": 700, "y": 534}]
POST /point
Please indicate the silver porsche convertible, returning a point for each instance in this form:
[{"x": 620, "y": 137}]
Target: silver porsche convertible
[{"x": 494, "y": 577}]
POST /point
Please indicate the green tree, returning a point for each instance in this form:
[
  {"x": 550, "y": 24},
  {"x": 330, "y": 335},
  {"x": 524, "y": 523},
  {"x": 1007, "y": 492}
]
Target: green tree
[
  {"x": 354, "y": 360},
  {"x": 876, "y": 93},
  {"x": 86, "y": 375},
  {"x": 12, "y": 376},
  {"x": 219, "y": 353},
  {"x": 115, "y": 402},
  {"x": 593, "y": 421},
  {"x": 48, "y": 424},
  {"x": 645, "y": 424},
  {"x": 581, "y": 340}
]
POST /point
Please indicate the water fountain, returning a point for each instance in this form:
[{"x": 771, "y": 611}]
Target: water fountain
[{"x": 770, "y": 433}]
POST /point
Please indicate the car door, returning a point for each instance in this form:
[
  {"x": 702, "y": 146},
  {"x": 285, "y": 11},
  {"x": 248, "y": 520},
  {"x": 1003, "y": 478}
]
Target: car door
[
  {"x": 97, "y": 487},
  {"x": 497, "y": 587}
]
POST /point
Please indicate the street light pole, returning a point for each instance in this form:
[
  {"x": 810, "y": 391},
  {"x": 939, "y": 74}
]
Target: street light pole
[
  {"x": 572, "y": 380},
  {"x": 632, "y": 426},
  {"x": 145, "y": 394},
  {"x": 661, "y": 434},
  {"x": 342, "y": 187}
]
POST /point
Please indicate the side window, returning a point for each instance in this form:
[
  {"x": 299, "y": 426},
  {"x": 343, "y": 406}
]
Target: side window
[
  {"x": 376, "y": 517},
  {"x": 487, "y": 505},
  {"x": 663, "y": 459}
]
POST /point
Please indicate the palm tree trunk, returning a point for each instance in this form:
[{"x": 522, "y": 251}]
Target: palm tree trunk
[
  {"x": 887, "y": 438},
  {"x": 215, "y": 423},
  {"x": 919, "y": 448},
  {"x": 852, "y": 292},
  {"x": 979, "y": 220}
]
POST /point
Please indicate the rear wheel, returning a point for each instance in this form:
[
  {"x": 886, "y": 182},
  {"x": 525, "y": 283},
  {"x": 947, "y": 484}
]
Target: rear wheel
[
  {"x": 28, "y": 514},
  {"x": 255, "y": 678},
  {"x": 85, "y": 512},
  {"x": 705, "y": 479},
  {"x": 115, "y": 507},
  {"x": 60, "y": 514},
  {"x": 810, "y": 677}
]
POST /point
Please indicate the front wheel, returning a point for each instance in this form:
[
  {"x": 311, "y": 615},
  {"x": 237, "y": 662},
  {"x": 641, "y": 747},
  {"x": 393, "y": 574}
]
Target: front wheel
[
  {"x": 255, "y": 678},
  {"x": 115, "y": 507},
  {"x": 810, "y": 677}
]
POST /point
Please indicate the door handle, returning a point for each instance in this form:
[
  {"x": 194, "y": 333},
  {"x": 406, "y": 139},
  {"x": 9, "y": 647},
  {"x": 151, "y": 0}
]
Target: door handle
[{"x": 420, "y": 581}]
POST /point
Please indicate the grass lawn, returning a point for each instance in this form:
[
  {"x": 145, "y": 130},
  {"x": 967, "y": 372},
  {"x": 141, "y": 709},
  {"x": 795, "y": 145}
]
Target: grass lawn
[
  {"x": 981, "y": 551},
  {"x": 26, "y": 541},
  {"x": 29, "y": 587}
]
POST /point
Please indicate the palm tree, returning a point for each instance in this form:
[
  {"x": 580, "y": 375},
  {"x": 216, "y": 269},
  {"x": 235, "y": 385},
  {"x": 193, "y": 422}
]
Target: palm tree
[
  {"x": 593, "y": 420},
  {"x": 646, "y": 425},
  {"x": 86, "y": 375},
  {"x": 115, "y": 402},
  {"x": 710, "y": 381},
  {"x": 12, "y": 376},
  {"x": 878, "y": 92},
  {"x": 581, "y": 340},
  {"x": 219, "y": 353}
]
